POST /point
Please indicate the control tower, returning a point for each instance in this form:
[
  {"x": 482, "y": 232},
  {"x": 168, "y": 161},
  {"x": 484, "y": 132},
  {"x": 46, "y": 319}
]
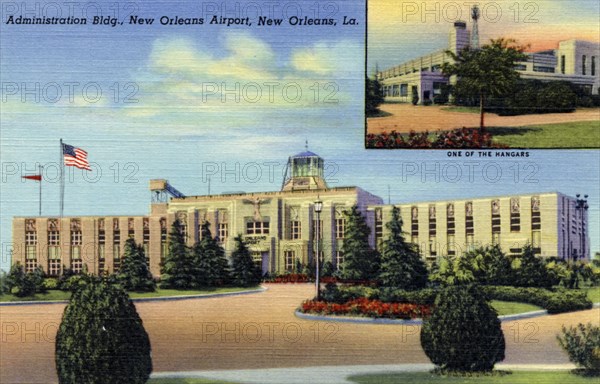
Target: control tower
[{"x": 304, "y": 171}]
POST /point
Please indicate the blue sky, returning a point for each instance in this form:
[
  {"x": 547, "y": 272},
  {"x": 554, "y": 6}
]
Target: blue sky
[{"x": 179, "y": 128}]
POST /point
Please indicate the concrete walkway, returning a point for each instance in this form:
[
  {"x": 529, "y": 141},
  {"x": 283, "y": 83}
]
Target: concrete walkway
[
  {"x": 406, "y": 117},
  {"x": 326, "y": 374}
]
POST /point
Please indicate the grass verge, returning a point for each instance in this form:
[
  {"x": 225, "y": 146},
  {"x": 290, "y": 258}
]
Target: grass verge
[
  {"x": 511, "y": 307},
  {"x": 517, "y": 377},
  {"x": 578, "y": 134},
  {"x": 56, "y": 295},
  {"x": 461, "y": 109}
]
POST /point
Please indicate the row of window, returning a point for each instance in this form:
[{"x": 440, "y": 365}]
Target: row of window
[
  {"x": 515, "y": 223},
  {"x": 563, "y": 64},
  {"x": 290, "y": 260}
]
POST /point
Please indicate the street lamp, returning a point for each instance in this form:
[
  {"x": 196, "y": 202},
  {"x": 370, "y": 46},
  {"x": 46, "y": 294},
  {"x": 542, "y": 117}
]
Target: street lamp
[
  {"x": 318, "y": 208},
  {"x": 581, "y": 205}
]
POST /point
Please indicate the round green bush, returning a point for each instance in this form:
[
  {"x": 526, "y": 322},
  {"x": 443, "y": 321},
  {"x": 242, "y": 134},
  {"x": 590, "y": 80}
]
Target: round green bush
[
  {"x": 463, "y": 333},
  {"x": 101, "y": 338},
  {"x": 582, "y": 344}
]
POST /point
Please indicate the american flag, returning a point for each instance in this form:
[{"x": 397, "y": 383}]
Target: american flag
[{"x": 75, "y": 157}]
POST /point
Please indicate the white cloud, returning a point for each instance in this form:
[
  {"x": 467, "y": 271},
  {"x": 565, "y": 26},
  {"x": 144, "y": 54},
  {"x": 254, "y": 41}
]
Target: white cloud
[{"x": 329, "y": 58}]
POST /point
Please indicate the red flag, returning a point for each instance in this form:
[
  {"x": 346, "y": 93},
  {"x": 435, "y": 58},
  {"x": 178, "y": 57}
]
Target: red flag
[{"x": 33, "y": 177}]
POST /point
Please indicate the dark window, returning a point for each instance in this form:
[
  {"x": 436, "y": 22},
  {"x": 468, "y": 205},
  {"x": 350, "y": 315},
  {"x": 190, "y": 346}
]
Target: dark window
[
  {"x": 538, "y": 68},
  {"x": 414, "y": 224},
  {"x": 496, "y": 221},
  {"x": 515, "y": 222},
  {"x": 562, "y": 64},
  {"x": 257, "y": 228},
  {"x": 536, "y": 221}
]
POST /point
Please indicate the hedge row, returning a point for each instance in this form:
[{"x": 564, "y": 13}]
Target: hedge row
[
  {"x": 343, "y": 294},
  {"x": 558, "y": 301}
]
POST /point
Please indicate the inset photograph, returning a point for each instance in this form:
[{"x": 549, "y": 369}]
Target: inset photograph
[{"x": 444, "y": 75}]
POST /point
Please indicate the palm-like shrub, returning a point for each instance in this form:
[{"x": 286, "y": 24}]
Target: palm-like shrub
[{"x": 582, "y": 344}]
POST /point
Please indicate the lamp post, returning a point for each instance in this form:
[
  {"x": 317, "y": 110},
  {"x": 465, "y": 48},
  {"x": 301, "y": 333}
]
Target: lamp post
[
  {"x": 581, "y": 205},
  {"x": 318, "y": 208}
]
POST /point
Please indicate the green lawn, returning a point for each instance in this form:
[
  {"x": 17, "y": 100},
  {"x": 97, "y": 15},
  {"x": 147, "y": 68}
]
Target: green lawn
[
  {"x": 517, "y": 377},
  {"x": 187, "y": 381},
  {"x": 461, "y": 109},
  {"x": 511, "y": 307},
  {"x": 579, "y": 134},
  {"x": 54, "y": 295}
]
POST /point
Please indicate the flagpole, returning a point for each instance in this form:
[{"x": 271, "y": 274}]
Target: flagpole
[
  {"x": 62, "y": 180},
  {"x": 41, "y": 178}
]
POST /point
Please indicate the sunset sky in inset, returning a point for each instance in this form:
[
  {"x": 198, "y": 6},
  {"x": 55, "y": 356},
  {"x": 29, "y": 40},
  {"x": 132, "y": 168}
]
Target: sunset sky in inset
[{"x": 403, "y": 30}]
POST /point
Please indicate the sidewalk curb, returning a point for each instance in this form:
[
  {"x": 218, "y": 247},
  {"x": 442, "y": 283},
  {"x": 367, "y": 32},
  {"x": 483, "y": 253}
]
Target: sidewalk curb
[
  {"x": 367, "y": 320},
  {"x": 357, "y": 320},
  {"x": 145, "y": 299}
]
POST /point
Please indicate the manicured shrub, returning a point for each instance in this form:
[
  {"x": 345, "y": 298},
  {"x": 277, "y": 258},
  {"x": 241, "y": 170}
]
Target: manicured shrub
[
  {"x": 582, "y": 344},
  {"x": 536, "y": 97},
  {"x": 423, "y": 296},
  {"x": 23, "y": 284},
  {"x": 51, "y": 283},
  {"x": 463, "y": 333},
  {"x": 559, "y": 301},
  {"x": 101, "y": 338}
]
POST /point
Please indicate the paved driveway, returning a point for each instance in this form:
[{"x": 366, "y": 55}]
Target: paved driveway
[
  {"x": 256, "y": 331},
  {"x": 406, "y": 117}
]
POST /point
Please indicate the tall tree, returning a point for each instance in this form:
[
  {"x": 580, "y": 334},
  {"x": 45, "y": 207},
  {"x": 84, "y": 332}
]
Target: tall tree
[
  {"x": 373, "y": 96},
  {"x": 134, "y": 274},
  {"x": 401, "y": 265},
  {"x": 244, "y": 272},
  {"x": 360, "y": 260},
  {"x": 486, "y": 72},
  {"x": 178, "y": 268},
  {"x": 211, "y": 266},
  {"x": 530, "y": 271}
]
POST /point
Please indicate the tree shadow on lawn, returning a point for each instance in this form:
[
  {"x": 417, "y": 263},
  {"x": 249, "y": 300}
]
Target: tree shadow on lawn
[{"x": 512, "y": 131}]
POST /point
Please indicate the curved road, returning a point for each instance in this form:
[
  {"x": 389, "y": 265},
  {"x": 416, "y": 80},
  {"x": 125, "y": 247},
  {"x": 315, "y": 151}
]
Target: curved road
[
  {"x": 406, "y": 118},
  {"x": 257, "y": 331}
]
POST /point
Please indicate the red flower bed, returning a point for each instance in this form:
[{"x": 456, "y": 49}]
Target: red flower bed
[
  {"x": 462, "y": 138},
  {"x": 370, "y": 308}
]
